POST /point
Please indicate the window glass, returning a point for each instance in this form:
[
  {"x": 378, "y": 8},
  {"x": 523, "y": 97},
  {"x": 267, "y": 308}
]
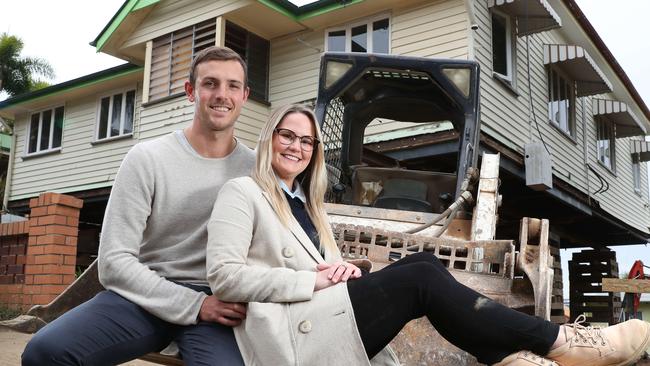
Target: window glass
[
  {"x": 116, "y": 114},
  {"x": 561, "y": 110},
  {"x": 33, "y": 133},
  {"x": 336, "y": 41},
  {"x": 103, "y": 117},
  {"x": 58, "y": 127},
  {"x": 45, "y": 130},
  {"x": 372, "y": 36},
  {"x": 636, "y": 172},
  {"x": 359, "y": 39},
  {"x": 129, "y": 112},
  {"x": 255, "y": 51},
  {"x": 380, "y": 36},
  {"x": 499, "y": 44}
]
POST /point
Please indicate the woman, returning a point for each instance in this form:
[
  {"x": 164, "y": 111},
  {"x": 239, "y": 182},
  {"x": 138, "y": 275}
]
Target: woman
[{"x": 270, "y": 245}]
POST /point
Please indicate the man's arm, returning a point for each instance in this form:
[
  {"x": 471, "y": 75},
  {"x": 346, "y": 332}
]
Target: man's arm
[{"x": 124, "y": 224}]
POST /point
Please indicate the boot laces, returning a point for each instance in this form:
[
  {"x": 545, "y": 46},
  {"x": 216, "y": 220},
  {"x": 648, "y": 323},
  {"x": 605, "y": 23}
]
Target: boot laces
[
  {"x": 542, "y": 361},
  {"x": 586, "y": 335}
]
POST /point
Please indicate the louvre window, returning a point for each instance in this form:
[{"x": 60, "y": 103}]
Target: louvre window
[
  {"x": 116, "y": 114},
  {"x": 171, "y": 58},
  {"x": 255, "y": 51},
  {"x": 636, "y": 173},
  {"x": 45, "y": 131}
]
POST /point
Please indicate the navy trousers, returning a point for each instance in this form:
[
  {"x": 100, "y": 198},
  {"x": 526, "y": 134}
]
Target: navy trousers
[
  {"x": 419, "y": 285},
  {"x": 109, "y": 329}
]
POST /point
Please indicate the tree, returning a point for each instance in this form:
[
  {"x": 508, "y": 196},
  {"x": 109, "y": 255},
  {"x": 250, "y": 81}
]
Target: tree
[{"x": 19, "y": 74}]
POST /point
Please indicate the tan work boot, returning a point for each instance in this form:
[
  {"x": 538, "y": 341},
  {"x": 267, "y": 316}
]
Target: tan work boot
[
  {"x": 525, "y": 358},
  {"x": 617, "y": 345}
]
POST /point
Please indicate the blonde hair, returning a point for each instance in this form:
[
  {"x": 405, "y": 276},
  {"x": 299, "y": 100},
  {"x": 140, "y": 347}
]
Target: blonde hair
[{"x": 313, "y": 179}]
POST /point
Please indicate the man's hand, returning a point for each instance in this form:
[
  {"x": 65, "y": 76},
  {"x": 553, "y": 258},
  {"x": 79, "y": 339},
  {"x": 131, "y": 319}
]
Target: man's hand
[
  {"x": 331, "y": 274},
  {"x": 226, "y": 313}
]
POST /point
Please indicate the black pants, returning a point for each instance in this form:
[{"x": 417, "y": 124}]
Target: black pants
[{"x": 419, "y": 285}]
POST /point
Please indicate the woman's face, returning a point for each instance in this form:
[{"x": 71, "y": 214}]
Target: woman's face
[{"x": 292, "y": 158}]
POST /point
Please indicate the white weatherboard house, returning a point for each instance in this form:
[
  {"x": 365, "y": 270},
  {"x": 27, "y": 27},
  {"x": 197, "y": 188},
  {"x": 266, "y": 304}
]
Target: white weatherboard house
[{"x": 547, "y": 81}]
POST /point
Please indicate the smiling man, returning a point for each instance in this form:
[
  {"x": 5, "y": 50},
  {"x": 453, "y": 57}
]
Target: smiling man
[{"x": 153, "y": 244}]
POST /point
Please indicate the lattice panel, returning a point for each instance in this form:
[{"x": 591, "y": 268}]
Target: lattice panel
[
  {"x": 332, "y": 130},
  {"x": 495, "y": 257}
]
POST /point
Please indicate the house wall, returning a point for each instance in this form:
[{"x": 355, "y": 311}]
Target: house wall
[
  {"x": 505, "y": 117},
  {"x": 437, "y": 29},
  {"x": 169, "y": 16},
  {"x": 81, "y": 165}
]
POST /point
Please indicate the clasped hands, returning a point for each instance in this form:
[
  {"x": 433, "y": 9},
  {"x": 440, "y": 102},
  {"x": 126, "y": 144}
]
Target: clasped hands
[
  {"x": 232, "y": 313},
  {"x": 330, "y": 274}
]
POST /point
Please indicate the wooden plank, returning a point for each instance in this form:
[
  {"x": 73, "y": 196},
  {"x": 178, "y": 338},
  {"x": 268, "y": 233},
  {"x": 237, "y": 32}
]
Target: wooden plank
[{"x": 625, "y": 285}]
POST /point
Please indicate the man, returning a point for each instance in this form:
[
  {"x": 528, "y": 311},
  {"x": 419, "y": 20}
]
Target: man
[{"x": 153, "y": 243}]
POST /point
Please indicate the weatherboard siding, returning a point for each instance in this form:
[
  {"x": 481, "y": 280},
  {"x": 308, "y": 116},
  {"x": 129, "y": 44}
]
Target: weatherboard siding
[
  {"x": 169, "y": 16},
  {"x": 505, "y": 117},
  {"x": 81, "y": 165}
]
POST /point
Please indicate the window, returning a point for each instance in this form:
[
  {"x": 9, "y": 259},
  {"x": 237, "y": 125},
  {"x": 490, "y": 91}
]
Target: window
[
  {"x": 503, "y": 47},
  {"x": 255, "y": 51},
  {"x": 171, "y": 58},
  {"x": 561, "y": 105},
  {"x": 605, "y": 142},
  {"x": 115, "y": 117},
  {"x": 636, "y": 173},
  {"x": 45, "y": 131},
  {"x": 370, "y": 36}
]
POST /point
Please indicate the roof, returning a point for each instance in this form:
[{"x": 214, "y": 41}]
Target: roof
[{"x": 74, "y": 83}]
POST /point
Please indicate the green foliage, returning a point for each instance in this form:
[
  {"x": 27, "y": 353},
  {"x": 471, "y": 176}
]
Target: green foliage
[
  {"x": 19, "y": 74},
  {"x": 8, "y": 313}
]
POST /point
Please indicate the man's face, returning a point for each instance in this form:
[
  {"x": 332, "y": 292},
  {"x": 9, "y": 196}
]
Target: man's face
[{"x": 218, "y": 94}]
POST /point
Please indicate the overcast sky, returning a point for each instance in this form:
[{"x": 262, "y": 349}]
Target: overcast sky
[{"x": 60, "y": 32}]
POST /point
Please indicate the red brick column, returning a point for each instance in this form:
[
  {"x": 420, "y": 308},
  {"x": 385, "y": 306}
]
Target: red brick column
[
  {"x": 51, "y": 248},
  {"x": 13, "y": 247}
]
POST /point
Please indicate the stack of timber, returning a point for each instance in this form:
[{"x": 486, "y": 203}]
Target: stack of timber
[
  {"x": 557, "y": 294},
  {"x": 586, "y": 272}
]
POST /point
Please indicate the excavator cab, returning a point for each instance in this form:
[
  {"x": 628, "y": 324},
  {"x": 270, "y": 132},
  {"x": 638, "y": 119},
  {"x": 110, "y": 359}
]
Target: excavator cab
[{"x": 399, "y": 132}]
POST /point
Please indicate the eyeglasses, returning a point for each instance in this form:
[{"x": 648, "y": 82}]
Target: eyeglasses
[{"x": 287, "y": 137}]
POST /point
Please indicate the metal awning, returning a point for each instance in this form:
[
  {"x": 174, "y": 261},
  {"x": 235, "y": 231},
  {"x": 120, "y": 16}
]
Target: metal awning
[
  {"x": 532, "y": 15},
  {"x": 576, "y": 62},
  {"x": 642, "y": 148},
  {"x": 620, "y": 114}
]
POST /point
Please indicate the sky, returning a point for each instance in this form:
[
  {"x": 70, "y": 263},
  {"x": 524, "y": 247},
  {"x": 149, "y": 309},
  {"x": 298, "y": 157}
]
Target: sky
[{"x": 60, "y": 32}]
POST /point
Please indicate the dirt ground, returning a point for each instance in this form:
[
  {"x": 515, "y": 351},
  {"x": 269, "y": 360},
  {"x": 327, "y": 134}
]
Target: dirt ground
[{"x": 12, "y": 344}]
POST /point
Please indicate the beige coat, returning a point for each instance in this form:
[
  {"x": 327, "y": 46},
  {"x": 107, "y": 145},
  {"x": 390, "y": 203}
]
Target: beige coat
[{"x": 253, "y": 258}]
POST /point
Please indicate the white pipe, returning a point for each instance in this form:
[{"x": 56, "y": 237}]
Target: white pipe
[
  {"x": 469, "y": 4},
  {"x": 10, "y": 171}
]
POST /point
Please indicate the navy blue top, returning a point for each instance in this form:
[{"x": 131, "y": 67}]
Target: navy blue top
[{"x": 300, "y": 213}]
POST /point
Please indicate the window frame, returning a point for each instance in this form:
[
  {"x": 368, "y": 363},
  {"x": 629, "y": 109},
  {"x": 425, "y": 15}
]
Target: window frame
[
  {"x": 572, "y": 120},
  {"x": 111, "y": 95},
  {"x": 368, "y": 22},
  {"x": 28, "y": 135},
  {"x": 606, "y": 131},
  {"x": 511, "y": 48},
  {"x": 636, "y": 173}
]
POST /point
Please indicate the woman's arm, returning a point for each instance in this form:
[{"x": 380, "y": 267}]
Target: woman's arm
[{"x": 230, "y": 234}]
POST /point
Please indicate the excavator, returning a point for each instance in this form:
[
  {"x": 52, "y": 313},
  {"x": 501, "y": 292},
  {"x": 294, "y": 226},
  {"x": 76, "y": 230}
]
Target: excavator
[{"x": 401, "y": 138}]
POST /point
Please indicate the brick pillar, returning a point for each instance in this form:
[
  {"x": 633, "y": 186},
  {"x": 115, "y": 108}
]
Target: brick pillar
[{"x": 52, "y": 247}]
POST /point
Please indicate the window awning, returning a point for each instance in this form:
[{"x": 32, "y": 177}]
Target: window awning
[
  {"x": 642, "y": 148},
  {"x": 576, "y": 62},
  {"x": 532, "y": 15},
  {"x": 620, "y": 114}
]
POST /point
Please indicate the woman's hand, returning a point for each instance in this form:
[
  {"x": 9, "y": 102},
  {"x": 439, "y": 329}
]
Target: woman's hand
[{"x": 331, "y": 274}]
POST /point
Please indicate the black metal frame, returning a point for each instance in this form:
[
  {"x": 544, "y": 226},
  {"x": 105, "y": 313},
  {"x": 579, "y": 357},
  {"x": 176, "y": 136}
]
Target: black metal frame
[{"x": 394, "y": 99}]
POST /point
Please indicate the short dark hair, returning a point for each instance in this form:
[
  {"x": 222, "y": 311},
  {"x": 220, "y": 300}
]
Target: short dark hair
[{"x": 216, "y": 53}]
